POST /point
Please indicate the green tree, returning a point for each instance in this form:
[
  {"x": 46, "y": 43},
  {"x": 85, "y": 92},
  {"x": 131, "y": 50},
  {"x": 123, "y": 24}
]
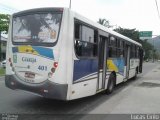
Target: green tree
[
  {"x": 131, "y": 33},
  {"x": 149, "y": 50},
  {"x": 134, "y": 35},
  {"x": 4, "y": 23},
  {"x": 104, "y": 22}
]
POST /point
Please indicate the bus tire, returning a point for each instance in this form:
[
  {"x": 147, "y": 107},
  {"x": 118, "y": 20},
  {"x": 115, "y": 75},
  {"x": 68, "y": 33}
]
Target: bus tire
[
  {"x": 111, "y": 83},
  {"x": 135, "y": 76}
]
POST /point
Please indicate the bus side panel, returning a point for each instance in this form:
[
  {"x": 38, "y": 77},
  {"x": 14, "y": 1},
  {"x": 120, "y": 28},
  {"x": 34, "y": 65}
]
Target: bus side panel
[
  {"x": 132, "y": 73},
  {"x": 133, "y": 65},
  {"x": 84, "y": 78},
  {"x": 83, "y": 68},
  {"x": 8, "y": 51},
  {"x": 46, "y": 89},
  {"x": 84, "y": 89},
  {"x": 141, "y": 60},
  {"x": 116, "y": 65}
]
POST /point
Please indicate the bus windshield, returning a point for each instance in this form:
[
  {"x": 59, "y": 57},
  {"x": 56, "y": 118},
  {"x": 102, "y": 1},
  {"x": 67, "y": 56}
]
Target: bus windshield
[{"x": 36, "y": 28}]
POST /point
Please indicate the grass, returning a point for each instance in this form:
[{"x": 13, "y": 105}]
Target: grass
[{"x": 2, "y": 71}]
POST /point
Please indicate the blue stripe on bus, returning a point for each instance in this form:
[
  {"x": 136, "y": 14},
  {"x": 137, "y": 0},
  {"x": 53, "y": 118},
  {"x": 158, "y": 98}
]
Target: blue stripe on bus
[
  {"x": 47, "y": 52},
  {"x": 119, "y": 63},
  {"x": 84, "y": 67}
]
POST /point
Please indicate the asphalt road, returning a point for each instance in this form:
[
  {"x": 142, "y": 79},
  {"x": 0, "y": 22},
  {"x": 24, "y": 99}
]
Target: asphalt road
[
  {"x": 139, "y": 96},
  {"x": 20, "y": 102}
]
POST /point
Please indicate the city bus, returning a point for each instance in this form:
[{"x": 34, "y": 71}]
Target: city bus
[{"x": 57, "y": 53}]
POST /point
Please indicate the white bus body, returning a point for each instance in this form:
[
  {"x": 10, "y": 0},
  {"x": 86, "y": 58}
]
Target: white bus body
[{"x": 72, "y": 60}]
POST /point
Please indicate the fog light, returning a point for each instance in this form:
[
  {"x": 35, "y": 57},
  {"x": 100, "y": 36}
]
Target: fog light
[
  {"x": 11, "y": 64},
  {"x": 43, "y": 90},
  {"x": 53, "y": 70},
  {"x": 12, "y": 83},
  {"x": 46, "y": 91},
  {"x": 49, "y": 74}
]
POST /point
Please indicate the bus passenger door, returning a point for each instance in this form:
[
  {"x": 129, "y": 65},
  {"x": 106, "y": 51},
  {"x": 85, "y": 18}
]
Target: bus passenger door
[
  {"x": 127, "y": 61},
  {"x": 141, "y": 60},
  {"x": 102, "y": 64}
]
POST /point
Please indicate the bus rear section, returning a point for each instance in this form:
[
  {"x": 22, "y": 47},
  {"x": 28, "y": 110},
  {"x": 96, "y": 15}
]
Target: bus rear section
[{"x": 33, "y": 53}]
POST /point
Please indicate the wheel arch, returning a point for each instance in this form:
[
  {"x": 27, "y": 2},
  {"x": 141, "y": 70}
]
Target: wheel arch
[
  {"x": 114, "y": 73},
  {"x": 137, "y": 68},
  {"x": 111, "y": 82}
]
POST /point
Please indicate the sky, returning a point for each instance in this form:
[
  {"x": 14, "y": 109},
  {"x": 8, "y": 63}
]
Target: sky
[{"x": 139, "y": 14}]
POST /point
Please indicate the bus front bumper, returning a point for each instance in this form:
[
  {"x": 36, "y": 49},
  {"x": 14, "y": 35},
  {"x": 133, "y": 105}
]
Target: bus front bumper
[{"x": 46, "y": 89}]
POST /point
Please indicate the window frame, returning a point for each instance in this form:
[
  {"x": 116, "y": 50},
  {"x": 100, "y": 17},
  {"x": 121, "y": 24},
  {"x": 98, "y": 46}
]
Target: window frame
[
  {"x": 76, "y": 21},
  {"x": 117, "y": 46},
  {"x": 37, "y": 11}
]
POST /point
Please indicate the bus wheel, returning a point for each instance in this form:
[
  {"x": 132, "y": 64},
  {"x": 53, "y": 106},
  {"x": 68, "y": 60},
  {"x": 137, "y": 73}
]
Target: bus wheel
[
  {"x": 111, "y": 84},
  {"x": 135, "y": 76}
]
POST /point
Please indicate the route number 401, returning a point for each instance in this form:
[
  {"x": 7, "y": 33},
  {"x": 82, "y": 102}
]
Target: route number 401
[{"x": 43, "y": 68}]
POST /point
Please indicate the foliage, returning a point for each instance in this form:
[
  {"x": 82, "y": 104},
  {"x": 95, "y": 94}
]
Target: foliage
[
  {"x": 104, "y": 22},
  {"x": 131, "y": 33},
  {"x": 134, "y": 35},
  {"x": 148, "y": 48},
  {"x": 2, "y": 71},
  {"x": 4, "y": 22}
]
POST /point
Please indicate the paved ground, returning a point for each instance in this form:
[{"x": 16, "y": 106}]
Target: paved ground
[
  {"x": 134, "y": 96},
  {"x": 2, "y": 78},
  {"x": 142, "y": 96}
]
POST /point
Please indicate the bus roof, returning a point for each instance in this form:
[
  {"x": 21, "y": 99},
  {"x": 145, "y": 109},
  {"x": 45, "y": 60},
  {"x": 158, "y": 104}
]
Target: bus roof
[
  {"x": 97, "y": 25},
  {"x": 84, "y": 19}
]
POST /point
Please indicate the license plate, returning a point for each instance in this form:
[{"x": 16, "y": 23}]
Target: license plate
[{"x": 29, "y": 75}]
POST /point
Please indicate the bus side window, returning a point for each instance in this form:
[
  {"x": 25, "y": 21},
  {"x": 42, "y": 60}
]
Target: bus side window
[
  {"x": 137, "y": 52},
  {"x": 109, "y": 51},
  {"x": 118, "y": 48},
  {"x": 132, "y": 51},
  {"x": 77, "y": 31},
  {"x": 112, "y": 49},
  {"x": 85, "y": 41},
  {"x": 122, "y": 48}
]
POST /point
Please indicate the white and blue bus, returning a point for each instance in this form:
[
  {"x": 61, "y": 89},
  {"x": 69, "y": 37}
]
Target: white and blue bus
[{"x": 57, "y": 53}]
